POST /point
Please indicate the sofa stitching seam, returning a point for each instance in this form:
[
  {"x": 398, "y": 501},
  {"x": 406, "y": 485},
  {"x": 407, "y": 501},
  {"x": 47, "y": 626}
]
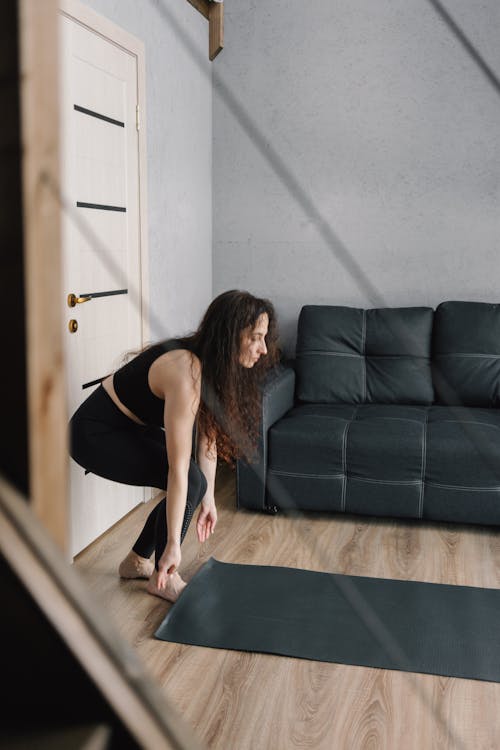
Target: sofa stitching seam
[
  {"x": 283, "y": 473},
  {"x": 353, "y": 477},
  {"x": 402, "y": 482},
  {"x": 344, "y": 457},
  {"x": 398, "y": 482},
  {"x": 464, "y": 487},
  {"x": 464, "y": 421},
  {"x": 342, "y": 501},
  {"x": 367, "y": 421},
  {"x": 424, "y": 465},
  {"x": 396, "y": 419},
  {"x": 359, "y": 355},
  {"x": 466, "y": 354}
]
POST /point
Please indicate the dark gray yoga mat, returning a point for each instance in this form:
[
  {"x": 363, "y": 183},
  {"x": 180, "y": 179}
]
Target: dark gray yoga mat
[{"x": 373, "y": 622}]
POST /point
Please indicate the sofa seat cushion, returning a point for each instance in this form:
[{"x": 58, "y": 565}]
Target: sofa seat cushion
[
  {"x": 462, "y": 476},
  {"x": 389, "y": 460},
  {"x": 355, "y": 356}
]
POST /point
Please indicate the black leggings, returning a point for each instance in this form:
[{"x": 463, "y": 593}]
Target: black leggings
[{"x": 108, "y": 443}]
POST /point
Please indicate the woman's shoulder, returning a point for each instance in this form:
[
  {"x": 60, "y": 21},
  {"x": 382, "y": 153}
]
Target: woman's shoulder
[
  {"x": 176, "y": 367},
  {"x": 181, "y": 358}
]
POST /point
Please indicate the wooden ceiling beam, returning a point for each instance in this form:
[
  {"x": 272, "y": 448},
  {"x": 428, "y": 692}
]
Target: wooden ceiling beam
[
  {"x": 214, "y": 13},
  {"x": 215, "y": 29}
]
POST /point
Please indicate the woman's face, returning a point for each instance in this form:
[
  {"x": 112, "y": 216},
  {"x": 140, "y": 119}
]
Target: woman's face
[{"x": 252, "y": 341}]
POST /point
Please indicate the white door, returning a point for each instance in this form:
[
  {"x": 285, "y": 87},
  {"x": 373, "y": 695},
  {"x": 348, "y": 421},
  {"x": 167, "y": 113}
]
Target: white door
[{"x": 101, "y": 242}]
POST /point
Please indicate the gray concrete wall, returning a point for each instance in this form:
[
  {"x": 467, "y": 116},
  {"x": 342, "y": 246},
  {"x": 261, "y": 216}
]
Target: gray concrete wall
[
  {"x": 356, "y": 154},
  {"x": 179, "y": 146}
]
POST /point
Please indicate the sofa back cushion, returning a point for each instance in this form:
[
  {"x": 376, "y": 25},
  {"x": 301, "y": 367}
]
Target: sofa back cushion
[
  {"x": 356, "y": 356},
  {"x": 466, "y": 353}
]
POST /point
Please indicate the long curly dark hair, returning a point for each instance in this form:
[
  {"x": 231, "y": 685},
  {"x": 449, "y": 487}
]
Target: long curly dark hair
[{"x": 230, "y": 404}]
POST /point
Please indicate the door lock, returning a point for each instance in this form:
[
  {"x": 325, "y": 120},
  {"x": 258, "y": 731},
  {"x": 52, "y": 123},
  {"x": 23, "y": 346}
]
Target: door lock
[
  {"x": 73, "y": 326},
  {"x": 73, "y": 300}
]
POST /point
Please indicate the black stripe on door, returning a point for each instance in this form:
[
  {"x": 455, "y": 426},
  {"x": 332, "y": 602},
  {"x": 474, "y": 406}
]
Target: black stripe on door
[
  {"x": 100, "y": 206},
  {"x": 91, "y": 113}
]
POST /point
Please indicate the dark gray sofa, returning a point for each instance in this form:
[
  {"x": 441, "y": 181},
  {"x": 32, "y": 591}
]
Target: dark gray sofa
[{"x": 384, "y": 412}]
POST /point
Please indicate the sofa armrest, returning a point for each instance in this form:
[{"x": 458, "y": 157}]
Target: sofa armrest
[{"x": 277, "y": 399}]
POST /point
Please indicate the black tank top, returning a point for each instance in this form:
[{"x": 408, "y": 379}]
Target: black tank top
[{"x": 131, "y": 383}]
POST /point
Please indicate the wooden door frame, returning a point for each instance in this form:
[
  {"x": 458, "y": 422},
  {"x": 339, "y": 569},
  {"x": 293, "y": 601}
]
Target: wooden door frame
[{"x": 46, "y": 385}]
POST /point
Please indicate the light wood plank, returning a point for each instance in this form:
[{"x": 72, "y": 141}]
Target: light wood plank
[
  {"x": 47, "y": 416},
  {"x": 247, "y": 701},
  {"x": 215, "y": 29}
]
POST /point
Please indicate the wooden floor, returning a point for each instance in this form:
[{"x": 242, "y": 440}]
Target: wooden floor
[{"x": 239, "y": 701}]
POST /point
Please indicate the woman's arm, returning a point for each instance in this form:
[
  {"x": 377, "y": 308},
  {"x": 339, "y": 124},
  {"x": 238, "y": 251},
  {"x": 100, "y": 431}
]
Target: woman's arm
[
  {"x": 180, "y": 386},
  {"x": 207, "y": 517}
]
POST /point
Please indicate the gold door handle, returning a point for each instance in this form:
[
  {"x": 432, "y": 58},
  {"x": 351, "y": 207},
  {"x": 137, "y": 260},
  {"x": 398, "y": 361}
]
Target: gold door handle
[{"x": 73, "y": 300}]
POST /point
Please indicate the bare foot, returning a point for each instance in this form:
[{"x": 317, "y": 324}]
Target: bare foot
[
  {"x": 135, "y": 566},
  {"x": 172, "y": 589}
]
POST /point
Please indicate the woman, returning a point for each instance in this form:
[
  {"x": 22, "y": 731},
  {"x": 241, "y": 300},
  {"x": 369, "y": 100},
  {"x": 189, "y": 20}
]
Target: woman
[{"x": 163, "y": 419}]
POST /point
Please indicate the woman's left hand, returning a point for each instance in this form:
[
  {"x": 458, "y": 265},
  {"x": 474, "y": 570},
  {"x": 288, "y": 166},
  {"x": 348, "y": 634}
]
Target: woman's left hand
[{"x": 207, "y": 519}]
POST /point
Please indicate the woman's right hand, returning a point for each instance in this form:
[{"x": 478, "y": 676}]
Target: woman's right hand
[{"x": 169, "y": 562}]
